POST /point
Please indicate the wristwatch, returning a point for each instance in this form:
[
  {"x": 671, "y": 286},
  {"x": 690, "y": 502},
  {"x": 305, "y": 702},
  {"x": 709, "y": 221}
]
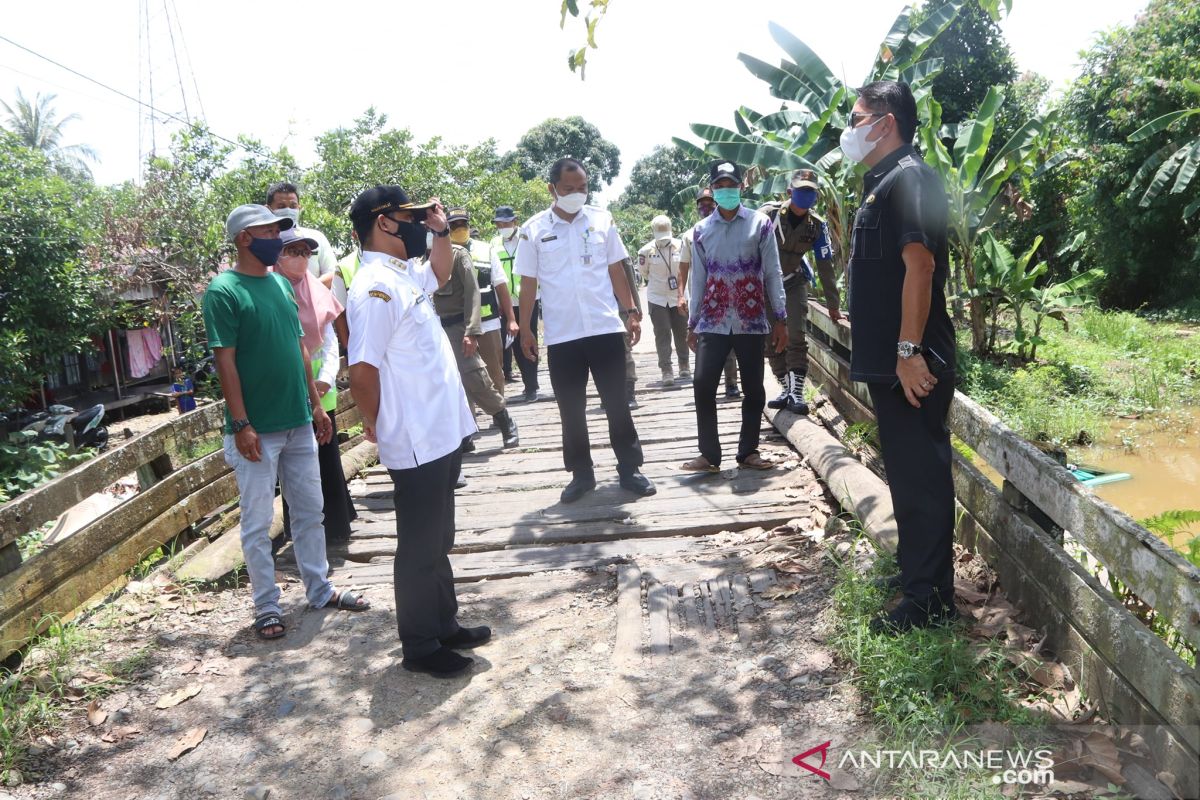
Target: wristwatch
[
  {"x": 632, "y": 311},
  {"x": 908, "y": 349},
  {"x": 442, "y": 234},
  {"x": 238, "y": 424}
]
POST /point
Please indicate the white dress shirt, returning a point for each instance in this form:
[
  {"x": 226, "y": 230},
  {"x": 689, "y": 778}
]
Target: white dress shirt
[
  {"x": 423, "y": 411},
  {"x": 570, "y": 261}
]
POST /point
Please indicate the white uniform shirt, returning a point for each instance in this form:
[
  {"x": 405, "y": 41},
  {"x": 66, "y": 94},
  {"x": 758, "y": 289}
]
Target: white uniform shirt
[
  {"x": 660, "y": 265},
  {"x": 423, "y": 411},
  {"x": 570, "y": 261}
]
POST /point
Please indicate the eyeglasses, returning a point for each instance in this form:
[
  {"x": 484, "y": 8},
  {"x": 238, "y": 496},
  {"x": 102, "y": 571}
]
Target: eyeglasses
[{"x": 857, "y": 117}]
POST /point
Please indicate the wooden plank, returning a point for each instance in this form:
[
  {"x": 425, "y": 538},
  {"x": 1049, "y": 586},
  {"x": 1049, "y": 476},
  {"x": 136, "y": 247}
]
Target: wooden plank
[
  {"x": 49, "y": 500},
  {"x": 687, "y": 604},
  {"x": 1142, "y": 680},
  {"x": 711, "y": 604},
  {"x": 628, "y": 644},
  {"x": 1157, "y": 574},
  {"x": 658, "y": 605},
  {"x": 64, "y": 558},
  {"x": 818, "y": 317},
  {"x": 104, "y": 567},
  {"x": 363, "y": 546}
]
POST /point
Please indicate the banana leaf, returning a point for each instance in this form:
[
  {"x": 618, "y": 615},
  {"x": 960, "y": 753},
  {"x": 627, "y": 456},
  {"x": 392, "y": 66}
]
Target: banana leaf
[
  {"x": 975, "y": 135},
  {"x": 807, "y": 61},
  {"x": 1161, "y": 123},
  {"x": 1188, "y": 170}
]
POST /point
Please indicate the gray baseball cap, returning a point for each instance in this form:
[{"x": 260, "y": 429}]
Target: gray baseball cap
[
  {"x": 251, "y": 214},
  {"x": 291, "y": 236}
]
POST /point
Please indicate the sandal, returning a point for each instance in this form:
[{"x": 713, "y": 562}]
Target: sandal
[
  {"x": 345, "y": 601},
  {"x": 269, "y": 620},
  {"x": 699, "y": 464},
  {"x": 755, "y": 461}
]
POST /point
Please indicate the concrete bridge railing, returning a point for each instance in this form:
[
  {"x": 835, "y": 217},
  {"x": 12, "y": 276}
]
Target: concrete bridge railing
[{"x": 1019, "y": 529}]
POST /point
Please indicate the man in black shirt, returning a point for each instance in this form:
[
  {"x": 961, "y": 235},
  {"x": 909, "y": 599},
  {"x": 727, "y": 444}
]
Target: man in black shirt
[{"x": 903, "y": 342}]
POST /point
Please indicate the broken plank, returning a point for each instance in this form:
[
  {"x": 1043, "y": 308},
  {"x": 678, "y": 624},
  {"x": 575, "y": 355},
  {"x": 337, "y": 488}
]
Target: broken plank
[
  {"x": 628, "y": 645},
  {"x": 658, "y": 604}
]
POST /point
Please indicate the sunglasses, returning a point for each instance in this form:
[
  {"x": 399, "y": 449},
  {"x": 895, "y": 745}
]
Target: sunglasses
[{"x": 857, "y": 117}]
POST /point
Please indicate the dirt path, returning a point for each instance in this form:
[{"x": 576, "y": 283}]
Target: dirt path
[{"x": 672, "y": 647}]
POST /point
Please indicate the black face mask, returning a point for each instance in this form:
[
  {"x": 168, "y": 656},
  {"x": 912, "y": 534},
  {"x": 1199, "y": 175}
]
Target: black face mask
[{"x": 412, "y": 234}]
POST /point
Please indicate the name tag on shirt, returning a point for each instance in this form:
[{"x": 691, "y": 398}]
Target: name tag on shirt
[{"x": 550, "y": 238}]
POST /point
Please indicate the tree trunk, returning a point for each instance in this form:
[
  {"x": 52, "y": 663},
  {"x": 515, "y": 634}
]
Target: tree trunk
[{"x": 978, "y": 313}]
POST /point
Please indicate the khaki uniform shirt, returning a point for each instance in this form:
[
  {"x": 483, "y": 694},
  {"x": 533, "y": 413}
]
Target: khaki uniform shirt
[{"x": 460, "y": 295}]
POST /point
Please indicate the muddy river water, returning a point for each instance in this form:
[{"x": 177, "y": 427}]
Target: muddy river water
[{"x": 1163, "y": 456}]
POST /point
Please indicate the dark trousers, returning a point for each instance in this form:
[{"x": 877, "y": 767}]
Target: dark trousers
[
  {"x": 712, "y": 350},
  {"x": 917, "y": 458},
  {"x": 604, "y": 357},
  {"x": 426, "y": 607},
  {"x": 528, "y": 368},
  {"x": 339, "y": 507}
]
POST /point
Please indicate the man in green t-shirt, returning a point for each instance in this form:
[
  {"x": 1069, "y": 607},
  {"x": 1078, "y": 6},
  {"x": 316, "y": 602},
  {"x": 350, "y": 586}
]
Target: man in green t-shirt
[{"x": 271, "y": 410}]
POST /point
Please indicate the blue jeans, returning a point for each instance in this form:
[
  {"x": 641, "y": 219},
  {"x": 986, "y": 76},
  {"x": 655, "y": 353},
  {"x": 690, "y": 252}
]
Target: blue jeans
[{"x": 291, "y": 458}]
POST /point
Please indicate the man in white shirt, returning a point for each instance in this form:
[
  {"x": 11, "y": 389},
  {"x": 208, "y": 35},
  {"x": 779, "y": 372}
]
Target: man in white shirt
[
  {"x": 659, "y": 262},
  {"x": 574, "y": 253},
  {"x": 405, "y": 380},
  {"x": 504, "y": 255}
]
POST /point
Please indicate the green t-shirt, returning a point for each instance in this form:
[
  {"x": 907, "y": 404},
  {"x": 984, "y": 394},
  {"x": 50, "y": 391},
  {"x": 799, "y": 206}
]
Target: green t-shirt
[{"x": 258, "y": 317}]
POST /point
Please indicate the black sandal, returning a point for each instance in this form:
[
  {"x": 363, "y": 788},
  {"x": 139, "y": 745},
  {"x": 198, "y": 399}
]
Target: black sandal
[
  {"x": 345, "y": 601},
  {"x": 269, "y": 620}
]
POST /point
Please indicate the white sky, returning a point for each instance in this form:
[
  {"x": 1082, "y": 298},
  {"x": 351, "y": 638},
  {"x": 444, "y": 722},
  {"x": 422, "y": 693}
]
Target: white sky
[{"x": 285, "y": 72}]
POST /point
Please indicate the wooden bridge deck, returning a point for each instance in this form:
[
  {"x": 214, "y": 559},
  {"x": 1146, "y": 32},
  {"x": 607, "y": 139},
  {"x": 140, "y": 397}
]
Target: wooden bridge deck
[{"x": 510, "y": 520}]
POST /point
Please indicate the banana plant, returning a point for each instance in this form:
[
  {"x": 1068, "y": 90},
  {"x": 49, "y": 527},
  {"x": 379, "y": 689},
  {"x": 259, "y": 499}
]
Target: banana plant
[
  {"x": 816, "y": 106},
  {"x": 975, "y": 188},
  {"x": 1181, "y": 161}
]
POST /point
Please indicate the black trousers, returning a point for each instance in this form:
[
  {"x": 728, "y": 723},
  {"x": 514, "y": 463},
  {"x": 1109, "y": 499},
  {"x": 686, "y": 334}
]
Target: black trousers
[
  {"x": 712, "y": 351},
  {"x": 426, "y": 606},
  {"x": 917, "y": 459},
  {"x": 604, "y": 357},
  {"x": 528, "y": 368},
  {"x": 339, "y": 506}
]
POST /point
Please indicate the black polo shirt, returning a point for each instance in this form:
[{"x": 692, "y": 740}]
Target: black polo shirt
[{"x": 905, "y": 202}]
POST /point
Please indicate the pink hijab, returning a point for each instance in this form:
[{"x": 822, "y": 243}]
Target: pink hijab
[{"x": 318, "y": 306}]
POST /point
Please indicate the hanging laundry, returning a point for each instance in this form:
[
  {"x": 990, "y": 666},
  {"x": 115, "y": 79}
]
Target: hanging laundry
[{"x": 145, "y": 351}]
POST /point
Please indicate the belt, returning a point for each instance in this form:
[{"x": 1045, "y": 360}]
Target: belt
[{"x": 453, "y": 319}]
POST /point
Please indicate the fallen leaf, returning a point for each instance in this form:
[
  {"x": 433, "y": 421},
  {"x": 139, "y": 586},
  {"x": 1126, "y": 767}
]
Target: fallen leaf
[
  {"x": 96, "y": 715},
  {"x": 968, "y": 594},
  {"x": 198, "y": 607},
  {"x": 189, "y": 741},
  {"x": 1102, "y": 756},
  {"x": 190, "y": 667},
  {"x": 175, "y": 698},
  {"x": 118, "y": 734},
  {"x": 1049, "y": 674},
  {"x": 780, "y": 591}
]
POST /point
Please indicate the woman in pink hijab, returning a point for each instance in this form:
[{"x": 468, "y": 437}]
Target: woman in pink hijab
[{"x": 318, "y": 309}]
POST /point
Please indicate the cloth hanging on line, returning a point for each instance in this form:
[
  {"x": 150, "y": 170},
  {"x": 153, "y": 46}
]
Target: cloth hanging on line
[{"x": 145, "y": 351}]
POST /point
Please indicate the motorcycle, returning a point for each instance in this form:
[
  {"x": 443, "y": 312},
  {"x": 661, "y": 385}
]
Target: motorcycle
[{"x": 62, "y": 423}]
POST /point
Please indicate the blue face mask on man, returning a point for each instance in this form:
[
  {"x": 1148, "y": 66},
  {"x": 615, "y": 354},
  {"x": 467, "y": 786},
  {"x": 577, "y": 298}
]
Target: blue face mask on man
[
  {"x": 266, "y": 250},
  {"x": 805, "y": 197}
]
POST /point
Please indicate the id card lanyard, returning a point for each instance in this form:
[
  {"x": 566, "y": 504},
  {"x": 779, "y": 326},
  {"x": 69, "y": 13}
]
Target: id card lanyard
[
  {"x": 672, "y": 281},
  {"x": 587, "y": 254}
]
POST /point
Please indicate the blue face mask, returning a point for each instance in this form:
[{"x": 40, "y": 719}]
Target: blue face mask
[
  {"x": 266, "y": 250},
  {"x": 804, "y": 198},
  {"x": 729, "y": 198}
]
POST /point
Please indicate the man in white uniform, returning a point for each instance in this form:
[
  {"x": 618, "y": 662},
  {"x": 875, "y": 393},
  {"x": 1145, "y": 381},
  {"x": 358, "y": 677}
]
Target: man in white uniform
[
  {"x": 405, "y": 380},
  {"x": 574, "y": 253}
]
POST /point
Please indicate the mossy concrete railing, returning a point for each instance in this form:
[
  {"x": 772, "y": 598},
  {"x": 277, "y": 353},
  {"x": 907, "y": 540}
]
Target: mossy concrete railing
[
  {"x": 1119, "y": 662},
  {"x": 177, "y": 492}
]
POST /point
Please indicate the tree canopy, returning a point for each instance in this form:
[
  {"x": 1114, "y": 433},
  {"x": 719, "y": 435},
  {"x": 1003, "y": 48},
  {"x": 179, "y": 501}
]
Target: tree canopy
[
  {"x": 37, "y": 125},
  {"x": 549, "y": 141},
  {"x": 657, "y": 180}
]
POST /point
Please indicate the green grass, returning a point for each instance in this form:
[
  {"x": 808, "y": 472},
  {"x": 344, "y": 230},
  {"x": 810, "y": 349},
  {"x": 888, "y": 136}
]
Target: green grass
[
  {"x": 1106, "y": 364},
  {"x": 925, "y": 685}
]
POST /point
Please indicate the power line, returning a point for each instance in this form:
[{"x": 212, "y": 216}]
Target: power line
[
  {"x": 188, "y": 55},
  {"x": 196, "y": 128}
]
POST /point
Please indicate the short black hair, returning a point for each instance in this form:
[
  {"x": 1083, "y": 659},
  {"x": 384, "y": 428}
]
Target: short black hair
[
  {"x": 895, "y": 98},
  {"x": 283, "y": 187},
  {"x": 565, "y": 164},
  {"x": 364, "y": 227}
]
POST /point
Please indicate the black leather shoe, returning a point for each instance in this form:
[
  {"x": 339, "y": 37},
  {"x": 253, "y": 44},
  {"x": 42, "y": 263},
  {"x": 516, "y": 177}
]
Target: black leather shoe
[
  {"x": 468, "y": 637},
  {"x": 508, "y": 428},
  {"x": 468, "y": 445},
  {"x": 581, "y": 484},
  {"x": 732, "y": 392},
  {"x": 630, "y": 396},
  {"x": 460, "y": 481},
  {"x": 785, "y": 380},
  {"x": 914, "y": 614},
  {"x": 441, "y": 663},
  {"x": 638, "y": 483}
]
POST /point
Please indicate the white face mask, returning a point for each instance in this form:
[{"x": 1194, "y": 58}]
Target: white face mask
[
  {"x": 571, "y": 203},
  {"x": 854, "y": 141},
  {"x": 291, "y": 213},
  {"x": 507, "y": 233},
  {"x": 662, "y": 237}
]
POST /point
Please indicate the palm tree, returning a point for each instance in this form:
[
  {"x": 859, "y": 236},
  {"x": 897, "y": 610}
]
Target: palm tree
[{"x": 38, "y": 126}]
